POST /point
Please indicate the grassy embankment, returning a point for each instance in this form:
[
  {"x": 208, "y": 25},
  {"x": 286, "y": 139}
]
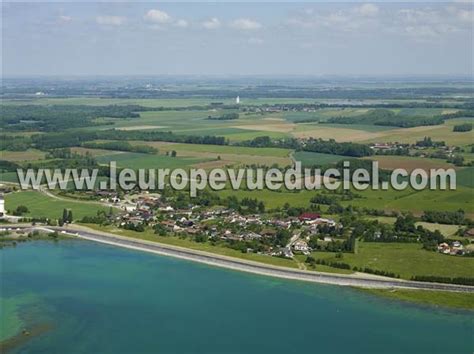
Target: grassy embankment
[{"x": 149, "y": 235}]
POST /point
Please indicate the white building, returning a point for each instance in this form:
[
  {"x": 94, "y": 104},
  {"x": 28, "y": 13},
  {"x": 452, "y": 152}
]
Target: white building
[
  {"x": 301, "y": 246},
  {"x": 237, "y": 100}
]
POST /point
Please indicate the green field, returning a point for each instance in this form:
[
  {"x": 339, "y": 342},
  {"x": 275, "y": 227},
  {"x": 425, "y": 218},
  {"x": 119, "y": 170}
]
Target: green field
[
  {"x": 446, "y": 230},
  {"x": 361, "y": 133},
  {"x": 465, "y": 177},
  {"x": 273, "y": 199},
  {"x": 324, "y": 114},
  {"x": 417, "y": 201},
  {"x": 137, "y": 160},
  {"x": 242, "y": 135},
  {"x": 8, "y": 177},
  {"x": 443, "y": 132},
  {"x": 388, "y": 200},
  {"x": 224, "y": 155},
  {"x": 405, "y": 259},
  {"x": 40, "y": 205},
  {"x": 196, "y": 123},
  {"x": 239, "y": 150},
  {"x": 362, "y": 127}
]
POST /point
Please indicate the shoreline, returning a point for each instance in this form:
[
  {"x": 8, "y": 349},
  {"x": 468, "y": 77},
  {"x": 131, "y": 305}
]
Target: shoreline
[{"x": 355, "y": 280}]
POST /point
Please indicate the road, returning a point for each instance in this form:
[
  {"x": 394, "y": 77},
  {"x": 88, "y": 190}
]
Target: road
[{"x": 356, "y": 280}]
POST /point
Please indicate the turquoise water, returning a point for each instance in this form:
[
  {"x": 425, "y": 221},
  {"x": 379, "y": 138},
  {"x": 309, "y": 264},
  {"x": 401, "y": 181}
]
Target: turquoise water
[{"x": 101, "y": 299}]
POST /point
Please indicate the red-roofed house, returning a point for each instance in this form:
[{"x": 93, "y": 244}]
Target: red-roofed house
[{"x": 309, "y": 216}]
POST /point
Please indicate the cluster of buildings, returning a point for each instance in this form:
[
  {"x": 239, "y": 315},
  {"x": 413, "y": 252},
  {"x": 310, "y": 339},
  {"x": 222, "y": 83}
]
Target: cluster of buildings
[
  {"x": 456, "y": 248},
  {"x": 387, "y": 146},
  {"x": 220, "y": 223},
  {"x": 280, "y": 108}
]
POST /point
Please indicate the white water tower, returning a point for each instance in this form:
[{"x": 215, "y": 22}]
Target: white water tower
[{"x": 237, "y": 100}]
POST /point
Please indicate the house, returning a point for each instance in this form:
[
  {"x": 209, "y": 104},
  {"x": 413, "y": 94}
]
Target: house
[
  {"x": 301, "y": 246},
  {"x": 129, "y": 207},
  {"x": 230, "y": 236},
  {"x": 191, "y": 231},
  {"x": 281, "y": 223},
  {"x": 268, "y": 233},
  {"x": 321, "y": 221},
  {"x": 309, "y": 216},
  {"x": 252, "y": 236},
  {"x": 166, "y": 209},
  {"x": 444, "y": 248},
  {"x": 168, "y": 224}
]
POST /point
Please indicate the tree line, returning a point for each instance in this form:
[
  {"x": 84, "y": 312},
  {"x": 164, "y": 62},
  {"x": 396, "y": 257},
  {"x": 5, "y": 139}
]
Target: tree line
[{"x": 385, "y": 117}]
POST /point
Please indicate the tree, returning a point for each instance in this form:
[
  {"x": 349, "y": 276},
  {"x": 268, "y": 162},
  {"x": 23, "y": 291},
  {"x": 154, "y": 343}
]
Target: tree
[
  {"x": 405, "y": 223},
  {"x": 173, "y": 153},
  {"x": 69, "y": 216},
  {"x": 64, "y": 218},
  {"x": 20, "y": 210}
]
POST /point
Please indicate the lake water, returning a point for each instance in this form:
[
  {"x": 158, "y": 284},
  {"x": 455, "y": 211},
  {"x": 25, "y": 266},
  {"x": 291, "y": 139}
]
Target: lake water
[{"x": 84, "y": 297}]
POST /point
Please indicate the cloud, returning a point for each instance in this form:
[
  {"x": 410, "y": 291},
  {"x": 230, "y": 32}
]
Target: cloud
[
  {"x": 157, "y": 16},
  {"x": 212, "y": 23},
  {"x": 181, "y": 23},
  {"x": 245, "y": 24},
  {"x": 110, "y": 20},
  {"x": 367, "y": 10},
  {"x": 429, "y": 23},
  {"x": 418, "y": 22},
  {"x": 347, "y": 19}
]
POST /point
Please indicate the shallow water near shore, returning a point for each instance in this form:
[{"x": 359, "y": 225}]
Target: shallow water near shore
[{"x": 93, "y": 298}]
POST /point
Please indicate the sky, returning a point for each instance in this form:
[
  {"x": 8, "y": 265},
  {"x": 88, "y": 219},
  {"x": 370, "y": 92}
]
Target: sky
[{"x": 228, "y": 38}]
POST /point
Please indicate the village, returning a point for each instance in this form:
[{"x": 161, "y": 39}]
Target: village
[
  {"x": 281, "y": 237},
  {"x": 260, "y": 233}
]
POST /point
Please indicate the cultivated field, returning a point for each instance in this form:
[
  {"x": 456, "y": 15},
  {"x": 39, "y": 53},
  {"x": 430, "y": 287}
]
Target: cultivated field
[
  {"x": 409, "y": 163},
  {"x": 225, "y": 155},
  {"x": 27, "y": 155}
]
